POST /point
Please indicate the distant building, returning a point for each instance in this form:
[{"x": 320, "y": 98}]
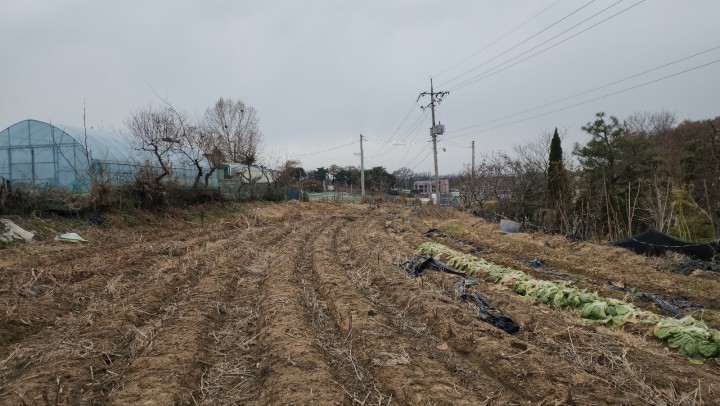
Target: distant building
[
  {"x": 242, "y": 173},
  {"x": 427, "y": 187}
]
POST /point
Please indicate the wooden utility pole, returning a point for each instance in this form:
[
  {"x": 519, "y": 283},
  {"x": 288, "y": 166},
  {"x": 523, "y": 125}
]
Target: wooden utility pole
[
  {"x": 472, "y": 167},
  {"x": 435, "y": 130},
  {"x": 433, "y": 134},
  {"x": 362, "y": 169}
]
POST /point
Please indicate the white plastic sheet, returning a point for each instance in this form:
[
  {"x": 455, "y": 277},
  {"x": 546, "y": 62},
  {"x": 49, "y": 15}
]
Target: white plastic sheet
[
  {"x": 15, "y": 232},
  {"x": 70, "y": 237}
]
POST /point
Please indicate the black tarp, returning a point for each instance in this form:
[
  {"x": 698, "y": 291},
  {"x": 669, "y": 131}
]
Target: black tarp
[
  {"x": 486, "y": 312},
  {"x": 654, "y": 243}
]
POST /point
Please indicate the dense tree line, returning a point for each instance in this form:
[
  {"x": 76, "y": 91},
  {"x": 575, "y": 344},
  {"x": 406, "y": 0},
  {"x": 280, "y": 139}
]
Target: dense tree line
[
  {"x": 347, "y": 178},
  {"x": 377, "y": 179},
  {"x": 645, "y": 171}
]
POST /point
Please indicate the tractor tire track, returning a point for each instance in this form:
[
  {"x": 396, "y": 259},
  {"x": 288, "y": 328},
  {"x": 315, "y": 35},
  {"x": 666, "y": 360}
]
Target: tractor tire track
[
  {"x": 401, "y": 364},
  {"x": 96, "y": 362},
  {"x": 292, "y": 366},
  {"x": 183, "y": 338}
]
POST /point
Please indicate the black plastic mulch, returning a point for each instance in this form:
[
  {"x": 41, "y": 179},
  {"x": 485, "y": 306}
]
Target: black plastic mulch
[
  {"x": 688, "y": 266},
  {"x": 669, "y": 305},
  {"x": 419, "y": 263},
  {"x": 653, "y": 242},
  {"x": 434, "y": 232},
  {"x": 486, "y": 312}
]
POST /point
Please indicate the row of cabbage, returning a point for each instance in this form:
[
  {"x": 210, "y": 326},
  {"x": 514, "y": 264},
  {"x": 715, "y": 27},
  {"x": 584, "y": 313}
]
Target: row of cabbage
[{"x": 690, "y": 336}]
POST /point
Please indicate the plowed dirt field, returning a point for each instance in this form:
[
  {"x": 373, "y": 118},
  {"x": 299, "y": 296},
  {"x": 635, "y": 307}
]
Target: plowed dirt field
[{"x": 306, "y": 304}]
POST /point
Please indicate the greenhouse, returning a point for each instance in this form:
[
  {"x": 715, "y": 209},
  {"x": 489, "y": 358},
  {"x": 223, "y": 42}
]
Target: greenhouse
[{"x": 38, "y": 155}]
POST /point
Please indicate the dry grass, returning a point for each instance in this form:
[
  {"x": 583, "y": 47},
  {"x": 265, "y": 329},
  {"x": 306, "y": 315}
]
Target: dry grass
[{"x": 202, "y": 306}]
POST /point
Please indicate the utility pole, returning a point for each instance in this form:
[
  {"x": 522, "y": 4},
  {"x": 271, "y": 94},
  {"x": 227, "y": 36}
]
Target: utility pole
[
  {"x": 362, "y": 169},
  {"x": 472, "y": 168},
  {"x": 435, "y": 130}
]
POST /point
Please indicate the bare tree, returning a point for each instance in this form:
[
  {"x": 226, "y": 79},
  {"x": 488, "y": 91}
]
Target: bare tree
[
  {"x": 252, "y": 174},
  {"x": 193, "y": 148},
  {"x": 651, "y": 124},
  {"x": 194, "y": 145},
  {"x": 657, "y": 201},
  {"x": 470, "y": 183},
  {"x": 234, "y": 127},
  {"x": 655, "y": 207},
  {"x": 534, "y": 154},
  {"x": 155, "y": 131},
  {"x": 286, "y": 173},
  {"x": 404, "y": 176},
  {"x": 495, "y": 182},
  {"x": 527, "y": 185}
]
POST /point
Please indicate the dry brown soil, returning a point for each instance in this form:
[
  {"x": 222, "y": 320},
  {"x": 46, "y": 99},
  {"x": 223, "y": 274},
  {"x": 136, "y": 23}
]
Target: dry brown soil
[{"x": 305, "y": 304}]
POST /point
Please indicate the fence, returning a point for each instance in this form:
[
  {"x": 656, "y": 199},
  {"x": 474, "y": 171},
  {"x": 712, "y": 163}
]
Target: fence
[
  {"x": 447, "y": 199},
  {"x": 258, "y": 191},
  {"x": 334, "y": 197}
]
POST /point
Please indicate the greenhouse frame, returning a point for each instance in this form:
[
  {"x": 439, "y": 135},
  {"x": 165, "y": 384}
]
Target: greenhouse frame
[{"x": 39, "y": 155}]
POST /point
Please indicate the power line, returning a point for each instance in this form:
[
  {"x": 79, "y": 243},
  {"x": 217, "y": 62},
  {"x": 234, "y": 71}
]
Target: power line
[
  {"x": 408, "y": 144},
  {"x": 409, "y": 131},
  {"x": 490, "y": 72},
  {"x": 556, "y": 110},
  {"x": 518, "y": 44},
  {"x": 421, "y": 161},
  {"x": 412, "y": 130},
  {"x": 404, "y": 155},
  {"x": 412, "y": 107},
  {"x": 591, "y": 100},
  {"x": 377, "y": 153},
  {"x": 394, "y": 143},
  {"x": 446, "y": 142},
  {"x": 500, "y": 38},
  {"x": 591, "y": 90},
  {"x": 324, "y": 150},
  {"x": 404, "y": 162},
  {"x": 407, "y": 150}
]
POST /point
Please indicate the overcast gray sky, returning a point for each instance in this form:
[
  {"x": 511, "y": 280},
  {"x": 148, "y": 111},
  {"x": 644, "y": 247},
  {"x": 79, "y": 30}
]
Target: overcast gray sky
[{"x": 322, "y": 72}]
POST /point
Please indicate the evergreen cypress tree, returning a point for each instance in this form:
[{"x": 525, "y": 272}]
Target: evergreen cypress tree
[{"x": 556, "y": 173}]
